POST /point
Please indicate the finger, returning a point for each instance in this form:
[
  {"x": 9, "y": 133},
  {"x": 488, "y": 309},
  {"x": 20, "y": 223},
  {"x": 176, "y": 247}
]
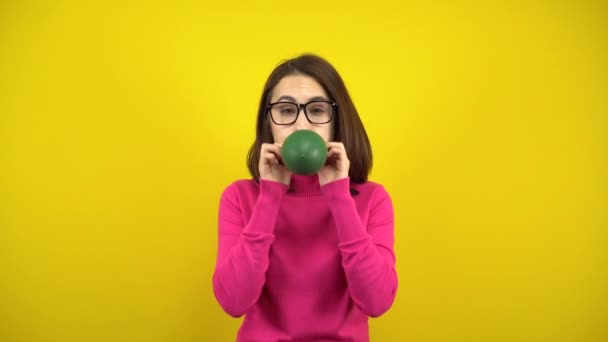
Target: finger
[
  {"x": 335, "y": 144},
  {"x": 339, "y": 151},
  {"x": 270, "y": 147},
  {"x": 272, "y": 150},
  {"x": 277, "y": 155},
  {"x": 331, "y": 157},
  {"x": 269, "y": 157},
  {"x": 336, "y": 150},
  {"x": 275, "y": 149}
]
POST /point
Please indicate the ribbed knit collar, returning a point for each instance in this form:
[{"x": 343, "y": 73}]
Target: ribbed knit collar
[{"x": 304, "y": 186}]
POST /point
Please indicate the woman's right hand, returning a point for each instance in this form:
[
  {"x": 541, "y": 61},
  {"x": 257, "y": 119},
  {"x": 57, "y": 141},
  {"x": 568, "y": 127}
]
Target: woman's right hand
[{"x": 271, "y": 166}]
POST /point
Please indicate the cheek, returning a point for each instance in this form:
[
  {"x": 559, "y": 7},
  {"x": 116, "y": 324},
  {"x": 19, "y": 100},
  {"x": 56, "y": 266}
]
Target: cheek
[
  {"x": 279, "y": 134},
  {"x": 325, "y": 131},
  {"x": 328, "y": 133}
]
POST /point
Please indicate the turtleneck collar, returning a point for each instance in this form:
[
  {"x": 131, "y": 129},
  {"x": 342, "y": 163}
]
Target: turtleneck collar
[{"x": 304, "y": 186}]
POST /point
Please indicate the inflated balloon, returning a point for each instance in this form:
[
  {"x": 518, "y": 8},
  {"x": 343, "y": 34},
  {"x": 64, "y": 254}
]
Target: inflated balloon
[{"x": 304, "y": 152}]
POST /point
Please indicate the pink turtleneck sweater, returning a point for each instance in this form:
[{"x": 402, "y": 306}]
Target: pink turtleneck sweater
[{"x": 307, "y": 263}]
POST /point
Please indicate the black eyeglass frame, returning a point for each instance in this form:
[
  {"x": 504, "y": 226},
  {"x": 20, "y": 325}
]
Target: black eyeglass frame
[{"x": 302, "y": 106}]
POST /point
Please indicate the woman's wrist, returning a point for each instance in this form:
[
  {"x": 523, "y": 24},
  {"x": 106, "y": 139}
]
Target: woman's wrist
[
  {"x": 337, "y": 188},
  {"x": 271, "y": 190}
]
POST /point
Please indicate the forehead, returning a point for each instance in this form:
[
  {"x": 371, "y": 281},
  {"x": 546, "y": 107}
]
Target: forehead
[{"x": 301, "y": 87}]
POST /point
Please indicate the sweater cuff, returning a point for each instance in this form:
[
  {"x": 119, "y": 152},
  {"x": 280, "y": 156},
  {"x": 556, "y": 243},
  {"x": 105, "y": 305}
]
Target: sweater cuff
[
  {"x": 344, "y": 211},
  {"x": 337, "y": 189},
  {"x": 272, "y": 190}
]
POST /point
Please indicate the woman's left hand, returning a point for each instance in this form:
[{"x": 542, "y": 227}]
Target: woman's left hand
[{"x": 337, "y": 164}]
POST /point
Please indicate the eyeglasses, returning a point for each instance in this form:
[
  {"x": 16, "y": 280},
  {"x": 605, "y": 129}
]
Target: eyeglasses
[{"x": 316, "y": 112}]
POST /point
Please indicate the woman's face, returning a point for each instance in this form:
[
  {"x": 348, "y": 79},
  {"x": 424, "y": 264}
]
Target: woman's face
[{"x": 299, "y": 89}]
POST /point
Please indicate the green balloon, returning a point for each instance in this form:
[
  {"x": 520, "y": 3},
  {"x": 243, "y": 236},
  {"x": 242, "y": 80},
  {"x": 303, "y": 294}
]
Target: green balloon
[{"x": 304, "y": 152}]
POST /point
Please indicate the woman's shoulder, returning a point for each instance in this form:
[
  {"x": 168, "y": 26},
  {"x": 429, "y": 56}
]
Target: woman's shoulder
[
  {"x": 370, "y": 188},
  {"x": 241, "y": 189},
  {"x": 242, "y": 185}
]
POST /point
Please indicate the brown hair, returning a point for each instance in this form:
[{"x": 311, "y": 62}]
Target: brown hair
[{"x": 348, "y": 127}]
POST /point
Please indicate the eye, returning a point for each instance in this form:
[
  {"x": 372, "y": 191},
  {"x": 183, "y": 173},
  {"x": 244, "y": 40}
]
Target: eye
[
  {"x": 285, "y": 109},
  {"x": 318, "y": 108}
]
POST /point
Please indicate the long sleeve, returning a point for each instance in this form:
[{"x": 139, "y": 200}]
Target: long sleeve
[
  {"x": 367, "y": 253},
  {"x": 243, "y": 247}
]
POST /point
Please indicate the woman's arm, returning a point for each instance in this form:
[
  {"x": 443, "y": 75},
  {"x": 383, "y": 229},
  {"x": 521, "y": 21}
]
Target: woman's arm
[
  {"x": 243, "y": 247},
  {"x": 368, "y": 258}
]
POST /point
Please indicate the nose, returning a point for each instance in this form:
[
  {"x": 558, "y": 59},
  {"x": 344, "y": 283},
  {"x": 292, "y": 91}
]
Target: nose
[{"x": 302, "y": 121}]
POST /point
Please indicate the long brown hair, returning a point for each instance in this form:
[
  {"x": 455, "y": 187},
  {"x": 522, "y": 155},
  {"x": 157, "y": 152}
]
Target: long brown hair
[{"x": 348, "y": 127}]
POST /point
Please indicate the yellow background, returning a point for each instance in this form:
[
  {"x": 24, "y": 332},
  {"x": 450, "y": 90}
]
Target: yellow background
[{"x": 122, "y": 122}]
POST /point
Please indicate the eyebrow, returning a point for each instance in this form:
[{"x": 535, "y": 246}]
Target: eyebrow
[{"x": 292, "y": 99}]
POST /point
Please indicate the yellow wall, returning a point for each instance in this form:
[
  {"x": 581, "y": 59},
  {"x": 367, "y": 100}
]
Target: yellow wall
[{"x": 120, "y": 124}]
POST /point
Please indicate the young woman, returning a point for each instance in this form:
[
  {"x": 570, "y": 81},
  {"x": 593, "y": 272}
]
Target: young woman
[{"x": 306, "y": 258}]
